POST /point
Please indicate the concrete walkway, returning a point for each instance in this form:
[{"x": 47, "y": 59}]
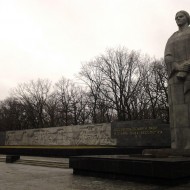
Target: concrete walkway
[{"x": 26, "y": 177}]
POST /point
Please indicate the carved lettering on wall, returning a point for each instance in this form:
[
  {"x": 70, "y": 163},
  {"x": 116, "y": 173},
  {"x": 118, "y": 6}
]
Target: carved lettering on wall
[{"x": 137, "y": 131}]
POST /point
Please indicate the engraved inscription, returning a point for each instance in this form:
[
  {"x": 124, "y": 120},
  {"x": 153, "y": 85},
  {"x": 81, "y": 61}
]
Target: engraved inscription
[{"x": 138, "y": 131}]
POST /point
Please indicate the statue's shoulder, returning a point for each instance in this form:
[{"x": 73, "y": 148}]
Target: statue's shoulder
[
  {"x": 172, "y": 37},
  {"x": 185, "y": 32},
  {"x": 178, "y": 35}
]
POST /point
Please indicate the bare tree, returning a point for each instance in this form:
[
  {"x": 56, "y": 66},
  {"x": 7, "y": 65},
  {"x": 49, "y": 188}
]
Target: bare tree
[
  {"x": 118, "y": 85},
  {"x": 63, "y": 94},
  {"x": 131, "y": 84},
  {"x": 33, "y": 97},
  {"x": 154, "y": 86},
  {"x": 11, "y": 115},
  {"x": 51, "y": 108},
  {"x": 93, "y": 78},
  {"x": 79, "y": 105},
  {"x": 114, "y": 76}
]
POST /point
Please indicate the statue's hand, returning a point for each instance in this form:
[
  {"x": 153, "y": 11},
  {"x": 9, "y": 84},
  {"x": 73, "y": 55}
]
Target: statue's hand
[{"x": 185, "y": 67}]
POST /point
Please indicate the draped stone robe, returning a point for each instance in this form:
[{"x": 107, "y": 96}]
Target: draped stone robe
[{"x": 177, "y": 52}]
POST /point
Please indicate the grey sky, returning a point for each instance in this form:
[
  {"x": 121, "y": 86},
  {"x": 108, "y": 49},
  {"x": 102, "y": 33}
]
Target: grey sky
[{"x": 51, "y": 38}]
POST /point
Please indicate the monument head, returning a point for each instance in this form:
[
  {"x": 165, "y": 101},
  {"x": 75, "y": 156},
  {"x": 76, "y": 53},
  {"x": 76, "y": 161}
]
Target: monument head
[{"x": 182, "y": 18}]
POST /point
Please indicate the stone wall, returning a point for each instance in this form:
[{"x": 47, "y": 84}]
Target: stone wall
[
  {"x": 126, "y": 133},
  {"x": 99, "y": 134},
  {"x": 150, "y": 132}
]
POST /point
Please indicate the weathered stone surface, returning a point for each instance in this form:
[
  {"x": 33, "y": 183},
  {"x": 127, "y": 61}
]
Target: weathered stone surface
[
  {"x": 177, "y": 94},
  {"x": 177, "y": 59},
  {"x": 180, "y": 113},
  {"x": 2, "y": 138},
  {"x": 128, "y": 133},
  {"x": 182, "y": 142},
  {"x": 99, "y": 134},
  {"x": 141, "y": 133}
]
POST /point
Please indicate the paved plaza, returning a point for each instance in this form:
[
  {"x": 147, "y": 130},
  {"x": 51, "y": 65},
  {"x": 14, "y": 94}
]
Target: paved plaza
[{"x": 26, "y": 177}]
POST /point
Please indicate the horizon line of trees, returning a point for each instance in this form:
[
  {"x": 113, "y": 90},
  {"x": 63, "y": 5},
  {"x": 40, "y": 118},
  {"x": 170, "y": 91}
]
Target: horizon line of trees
[{"x": 118, "y": 85}]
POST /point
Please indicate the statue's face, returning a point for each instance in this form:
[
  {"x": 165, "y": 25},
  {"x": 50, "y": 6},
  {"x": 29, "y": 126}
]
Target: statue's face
[{"x": 181, "y": 19}]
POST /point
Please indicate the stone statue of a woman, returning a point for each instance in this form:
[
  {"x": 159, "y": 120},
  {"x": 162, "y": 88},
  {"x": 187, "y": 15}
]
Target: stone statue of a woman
[{"x": 177, "y": 58}]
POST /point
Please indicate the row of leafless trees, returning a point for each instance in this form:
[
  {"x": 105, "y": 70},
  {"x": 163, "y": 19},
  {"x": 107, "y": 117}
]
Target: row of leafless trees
[{"x": 119, "y": 85}]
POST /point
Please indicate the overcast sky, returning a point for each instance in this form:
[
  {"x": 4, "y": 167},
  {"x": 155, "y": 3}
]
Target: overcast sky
[{"x": 49, "y": 39}]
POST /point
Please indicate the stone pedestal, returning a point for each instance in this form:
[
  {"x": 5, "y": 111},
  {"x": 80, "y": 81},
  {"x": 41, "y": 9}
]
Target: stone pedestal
[
  {"x": 167, "y": 152},
  {"x": 169, "y": 169}
]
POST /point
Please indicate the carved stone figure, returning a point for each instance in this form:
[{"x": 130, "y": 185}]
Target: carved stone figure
[{"x": 177, "y": 58}]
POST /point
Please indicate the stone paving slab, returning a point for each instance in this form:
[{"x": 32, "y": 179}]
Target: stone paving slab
[
  {"x": 25, "y": 177},
  {"x": 63, "y": 160}
]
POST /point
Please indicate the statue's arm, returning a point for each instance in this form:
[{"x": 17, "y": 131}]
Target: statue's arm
[
  {"x": 169, "y": 60},
  {"x": 172, "y": 66}
]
